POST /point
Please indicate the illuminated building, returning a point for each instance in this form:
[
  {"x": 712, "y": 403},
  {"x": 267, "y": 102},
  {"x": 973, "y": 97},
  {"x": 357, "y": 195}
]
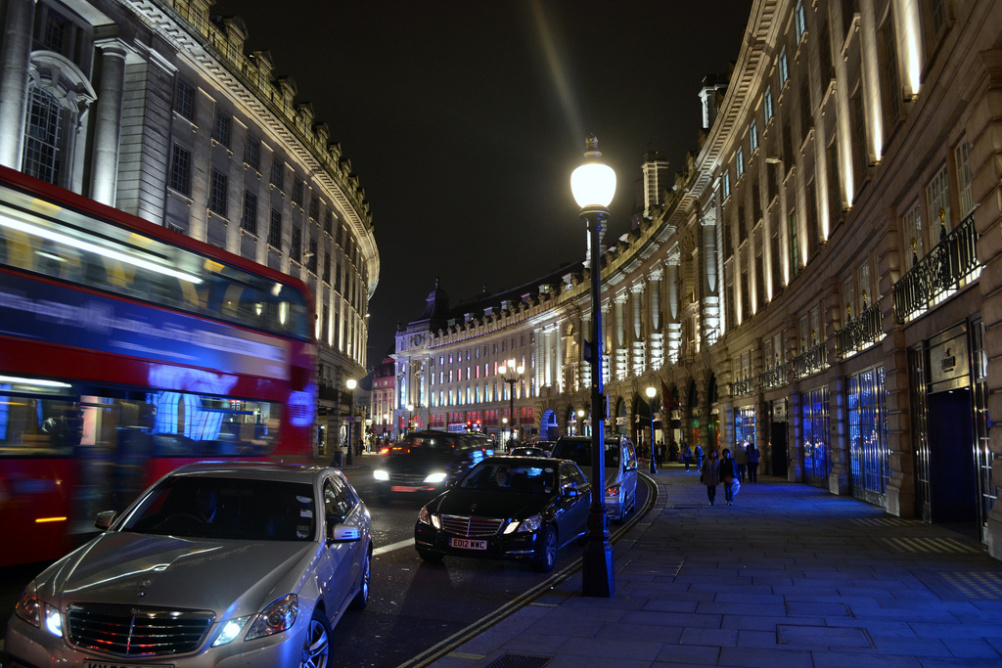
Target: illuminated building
[
  {"x": 822, "y": 276},
  {"x": 156, "y": 109}
]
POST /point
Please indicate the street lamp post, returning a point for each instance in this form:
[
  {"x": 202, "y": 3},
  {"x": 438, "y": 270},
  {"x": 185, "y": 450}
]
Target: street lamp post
[
  {"x": 511, "y": 380},
  {"x": 351, "y": 384},
  {"x": 593, "y": 185},
  {"x": 651, "y": 392},
  {"x": 410, "y": 416}
]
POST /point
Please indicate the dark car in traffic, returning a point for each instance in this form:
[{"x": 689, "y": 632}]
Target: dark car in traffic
[
  {"x": 425, "y": 462},
  {"x": 518, "y": 508}
]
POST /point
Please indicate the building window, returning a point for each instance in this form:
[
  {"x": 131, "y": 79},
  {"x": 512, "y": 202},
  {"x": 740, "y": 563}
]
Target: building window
[
  {"x": 180, "y": 171},
  {"x": 768, "y": 103},
  {"x": 912, "y": 224},
  {"x": 43, "y": 136},
  {"x": 328, "y": 222},
  {"x": 327, "y": 269},
  {"x": 221, "y": 129},
  {"x": 248, "y": 220},
  {"x": 792, "y": 244},
  {"x": 252, "y": 154},
  {"x": 275, "y": 229},
  {"x": 939, "y": 201},
  {"x": 184, "y": 100},
  {"x": 217, "y": 192},
  {"x": 739, "y": 161},
  {"x": 296, "y": 249},
  {"x": 965, "y": 177},
  {"x": 55, "y": 32},
  {"x": 311, "y": 260},
  {"x": 784, "y": 67},
  {"x": 859, "y": 138},
  {"x": 277, "y": 173},
  {"x": 315, "y": 208},
  {"x": 727, "y": 183},
  {"x": 892, "y": 81},
  {"x": 297, "y": 191},
  {"x": 800, "y": 19},
  {"x": 753, "y": 135}
]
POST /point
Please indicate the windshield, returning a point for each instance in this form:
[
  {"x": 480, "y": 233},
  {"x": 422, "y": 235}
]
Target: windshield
[
  {"x": 514, "y": 478},
  {"x": 215, "y": 508},
  {"x": 579, "y": 452}
]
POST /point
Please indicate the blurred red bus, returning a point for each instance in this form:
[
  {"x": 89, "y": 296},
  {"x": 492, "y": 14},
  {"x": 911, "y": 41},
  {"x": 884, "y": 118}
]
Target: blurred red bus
[{"x": 126, "y": 350}]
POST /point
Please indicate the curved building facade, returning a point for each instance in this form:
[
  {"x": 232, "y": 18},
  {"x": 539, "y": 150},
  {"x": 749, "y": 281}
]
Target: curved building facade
[
  {"x": 822, "y": 277},
  {"x": 154, "y": 107}
]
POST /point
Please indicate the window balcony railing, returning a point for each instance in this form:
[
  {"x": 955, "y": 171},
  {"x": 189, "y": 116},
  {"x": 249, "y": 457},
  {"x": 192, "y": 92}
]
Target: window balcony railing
[
  {"x": 811, "y": 361},
  {"x": 950, "y": 265},
  {"x": 773, "y": 378},
  {"x": 860, "y": 333},
  {"x": 740, "y": 388}
]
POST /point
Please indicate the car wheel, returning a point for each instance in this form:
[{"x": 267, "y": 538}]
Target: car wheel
[
  {"x": 362, "y": 597},
  {"x": 317, "y": 647},
  {"x": 546, "y": 557},
  {"x": 428, "y": 555}
]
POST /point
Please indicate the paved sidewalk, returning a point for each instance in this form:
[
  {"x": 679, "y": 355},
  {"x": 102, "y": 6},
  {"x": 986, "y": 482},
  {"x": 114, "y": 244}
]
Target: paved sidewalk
[{"x": 788, "y": 576}]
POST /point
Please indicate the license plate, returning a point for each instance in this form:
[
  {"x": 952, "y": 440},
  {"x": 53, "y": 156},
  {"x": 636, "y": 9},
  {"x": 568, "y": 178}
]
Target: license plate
[
  {"x": 403, "y": 488},
  {"x": 467, "y": 544},
  {"x": 116, "y": 664}
]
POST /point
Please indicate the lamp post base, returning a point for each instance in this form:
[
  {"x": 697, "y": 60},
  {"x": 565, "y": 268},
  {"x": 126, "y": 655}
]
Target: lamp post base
[{"x": 596, "y": 560}]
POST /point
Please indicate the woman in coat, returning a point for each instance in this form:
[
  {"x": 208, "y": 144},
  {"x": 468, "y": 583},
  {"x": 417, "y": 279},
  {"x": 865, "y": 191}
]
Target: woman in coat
[
  {"x": 727, "y": 473},
  {"x": 708, "y": 476}
]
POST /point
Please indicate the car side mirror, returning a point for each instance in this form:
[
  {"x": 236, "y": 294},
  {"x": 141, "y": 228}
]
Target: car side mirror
[
  {"x": 571, "y": 490},
  {"x": 342, "y": 533},
  {"x": 104, "y": 519}
]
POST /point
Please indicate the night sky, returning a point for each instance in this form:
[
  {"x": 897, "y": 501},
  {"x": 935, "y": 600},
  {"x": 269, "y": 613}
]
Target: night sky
[{"x": 464, "y": 119}]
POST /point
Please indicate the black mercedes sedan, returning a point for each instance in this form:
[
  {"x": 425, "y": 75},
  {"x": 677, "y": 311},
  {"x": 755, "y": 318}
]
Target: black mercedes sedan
[{"x": 520, "y": 508}]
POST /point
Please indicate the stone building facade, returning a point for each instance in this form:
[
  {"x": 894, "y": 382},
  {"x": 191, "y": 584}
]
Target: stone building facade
[
  {"x": 154, "y": 107},
  {"x": 822, "y": 278}
]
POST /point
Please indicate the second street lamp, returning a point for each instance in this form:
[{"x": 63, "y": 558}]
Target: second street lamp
[
  {"x": 651, "y": 393},
  {"x": 594, "y": 185},
  {"x": 351, "y": 384},
  {"x": 505, "y": 369}
]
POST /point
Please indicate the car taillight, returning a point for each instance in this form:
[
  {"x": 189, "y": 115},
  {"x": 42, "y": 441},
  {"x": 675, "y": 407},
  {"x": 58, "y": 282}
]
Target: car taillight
[{"x": 612, "y": 490}]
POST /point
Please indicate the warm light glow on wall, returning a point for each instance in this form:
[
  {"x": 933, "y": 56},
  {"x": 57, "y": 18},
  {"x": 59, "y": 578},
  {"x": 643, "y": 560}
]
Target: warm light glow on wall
[{"x": 908, "y": 10}]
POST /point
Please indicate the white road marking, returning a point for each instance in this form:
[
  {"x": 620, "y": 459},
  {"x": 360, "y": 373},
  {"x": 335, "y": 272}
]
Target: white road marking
[{"x": 395, "y": 546}]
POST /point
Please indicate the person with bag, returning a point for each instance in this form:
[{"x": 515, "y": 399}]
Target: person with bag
[
  {"x": 741, "y": 457},
  {"x": 727, "y": 473},
  {"x": 708, "y": 476},
  {"x": 698, "y": 451},
  {"x": 686, "y": 455}
]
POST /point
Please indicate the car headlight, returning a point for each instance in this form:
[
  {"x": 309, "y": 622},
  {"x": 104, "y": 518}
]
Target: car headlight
[
  {"x": 279, "y": 616},
  {"x": 435, "y": 478},
  {"x": 28, "y": 606},
  {"x": 53, "y": 621},
  {"x": 528, "y": 524},
  {"x": 231, "y": 629},
  {"x": 380, "y": 474},
  {"x": 426, "y": 517}
]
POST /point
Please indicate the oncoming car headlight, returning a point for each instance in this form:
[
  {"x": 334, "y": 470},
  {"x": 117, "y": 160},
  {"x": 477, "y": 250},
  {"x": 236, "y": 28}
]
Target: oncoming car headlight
[
  {"x": 380, "y": 474},
  {"x": 436, "y": 477},
  {"x": 231, "y": 629}
]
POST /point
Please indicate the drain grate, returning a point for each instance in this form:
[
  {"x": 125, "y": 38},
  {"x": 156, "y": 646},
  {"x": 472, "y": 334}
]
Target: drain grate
[
  {"x": 932, "y": 545},
  {"x": 519, "y": 661}
]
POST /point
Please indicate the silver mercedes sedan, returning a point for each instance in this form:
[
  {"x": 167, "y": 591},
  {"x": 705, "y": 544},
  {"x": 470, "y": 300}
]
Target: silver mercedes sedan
[{"x": 236, "y": 564}]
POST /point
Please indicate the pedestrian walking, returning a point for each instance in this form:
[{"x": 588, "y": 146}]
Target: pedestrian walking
[
  {"x": 686, "y": 455},
  {"x": 727, "y": 473},
  {"x": 699, "y": 457},
  {"x": 672, "y": 451},
  {"x": 741, "y": 457},
  {"x": 708, "y": 476},
  {"x": 753, "y": 457},
  {"x": 661, "y": 454}
]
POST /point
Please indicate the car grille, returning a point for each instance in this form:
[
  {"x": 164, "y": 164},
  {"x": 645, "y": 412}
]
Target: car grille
[
  {"x": 471, "y": 526},
  {"x": 408, "y": 479},
  {"x": 128, "y": 630}
]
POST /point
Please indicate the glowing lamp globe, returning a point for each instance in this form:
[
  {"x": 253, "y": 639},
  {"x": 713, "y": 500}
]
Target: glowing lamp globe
[{"x": 593, "y": 184}]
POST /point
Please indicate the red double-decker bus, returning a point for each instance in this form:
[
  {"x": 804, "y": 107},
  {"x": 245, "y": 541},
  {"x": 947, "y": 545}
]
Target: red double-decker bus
[{"x": 127, "y": 350}]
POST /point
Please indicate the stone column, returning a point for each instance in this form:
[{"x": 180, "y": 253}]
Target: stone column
[
  {"x": 672, "y": 323},
  {"x": 655, "y": 337},
  {"x": 15, "y": 58},
  {"x": 108, "y": 122}
]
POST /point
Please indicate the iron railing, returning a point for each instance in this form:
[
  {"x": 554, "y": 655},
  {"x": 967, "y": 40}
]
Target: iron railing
[
  {"x": 951, "y": 263},
  {"x": 860, "y": 333},
  {"x": 773, "y": 378},
  {"x": 811, "y": 361},
  {"x": 740, "y": 388}
]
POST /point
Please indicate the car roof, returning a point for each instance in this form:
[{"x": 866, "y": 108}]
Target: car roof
[{"x": 253, "y": 471}]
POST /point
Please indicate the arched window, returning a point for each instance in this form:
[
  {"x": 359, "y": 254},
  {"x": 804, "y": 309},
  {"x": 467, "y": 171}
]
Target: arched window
[{"x": 42, "y": 155}]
